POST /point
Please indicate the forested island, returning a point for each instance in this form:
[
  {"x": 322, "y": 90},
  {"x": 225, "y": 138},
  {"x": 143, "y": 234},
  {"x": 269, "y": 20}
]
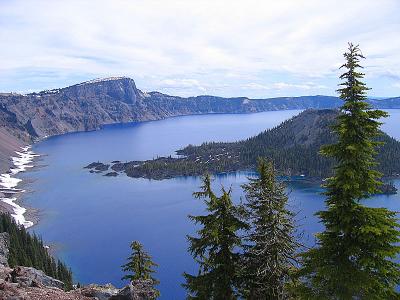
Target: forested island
[{"x": 294, "y": 147}]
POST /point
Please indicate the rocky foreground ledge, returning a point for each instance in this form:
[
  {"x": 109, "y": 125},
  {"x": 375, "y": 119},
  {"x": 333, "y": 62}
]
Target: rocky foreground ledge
[{"x": 25, "y": 283}]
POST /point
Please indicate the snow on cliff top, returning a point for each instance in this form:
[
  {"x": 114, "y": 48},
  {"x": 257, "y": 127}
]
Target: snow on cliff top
[
  {"x": 97, "y": 80},
  {"x": 58, "y": 90}
]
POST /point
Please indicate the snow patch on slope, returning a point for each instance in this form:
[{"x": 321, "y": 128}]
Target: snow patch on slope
[{"x": 8, "y": 183}]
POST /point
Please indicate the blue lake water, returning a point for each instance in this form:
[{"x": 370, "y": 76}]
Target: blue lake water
[{"x": 92, "y": 219}]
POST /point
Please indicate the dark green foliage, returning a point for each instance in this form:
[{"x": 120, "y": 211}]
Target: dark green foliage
[
  {"x": 140, "y": 265},
  {"x": 293, "y": 146},
  {"x": 354, "y": 255},
  {"x": 215, "y": 247},
  {"x": 28, "y": 250},
  {"x": 269, "y": 258}
]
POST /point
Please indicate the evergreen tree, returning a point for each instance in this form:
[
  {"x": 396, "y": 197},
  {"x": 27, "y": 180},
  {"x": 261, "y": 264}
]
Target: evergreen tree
[
  {"x": 28, "y": 250},
  {"x": 354, "y": 255},
  {"x": 215, "y": 247},
  {"x": 269, "y": 258},
  {"x": 140, "y": 265}
]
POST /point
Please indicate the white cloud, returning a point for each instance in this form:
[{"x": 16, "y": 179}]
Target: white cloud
[
  {"x": 182, "y": 84},
  {"x": 278, "y": 86},
  {"x": 217, "y": 43},
  {"x": 302, "y": 86},
  {"x": 255, "y": 86}
]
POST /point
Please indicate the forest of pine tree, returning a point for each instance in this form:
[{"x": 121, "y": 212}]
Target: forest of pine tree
[
  {"x": 244, "y": 251},
  {"x": 28, "y": 250}
]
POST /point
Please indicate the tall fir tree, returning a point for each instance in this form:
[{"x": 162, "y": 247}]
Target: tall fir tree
[
  {"x": 354, "y": 255},
  {"x": 270, "y": 256},
  {"x": 141, "y": 267},
  {"x": 215, "y": 248}
]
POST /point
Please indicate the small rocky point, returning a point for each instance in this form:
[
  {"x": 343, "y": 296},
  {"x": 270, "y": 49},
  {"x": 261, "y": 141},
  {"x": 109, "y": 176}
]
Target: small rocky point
[{"x": 26, "y": 283}]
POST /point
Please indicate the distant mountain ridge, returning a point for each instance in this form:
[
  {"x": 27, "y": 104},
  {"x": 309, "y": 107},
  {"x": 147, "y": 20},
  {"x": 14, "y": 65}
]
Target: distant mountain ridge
[{"x": 91, "y": 104}]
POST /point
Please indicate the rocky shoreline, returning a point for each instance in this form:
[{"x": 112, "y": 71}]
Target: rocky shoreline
[{"x": 116, "y": 168}]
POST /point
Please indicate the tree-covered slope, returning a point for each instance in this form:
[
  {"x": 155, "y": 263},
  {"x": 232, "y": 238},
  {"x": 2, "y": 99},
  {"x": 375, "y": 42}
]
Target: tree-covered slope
[
  {"x": 293, "y": 146},
  {"x": 28, "y": 250}
]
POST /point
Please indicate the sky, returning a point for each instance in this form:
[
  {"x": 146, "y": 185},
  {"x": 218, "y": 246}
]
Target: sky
[{"x": 257, "y": 49}]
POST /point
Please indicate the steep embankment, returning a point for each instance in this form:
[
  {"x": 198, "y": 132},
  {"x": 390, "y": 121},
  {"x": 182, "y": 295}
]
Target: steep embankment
[
  {"x": 28, "y": 283},
  {"x": 13, "y": 134},
  {"x": 89, "y": 105},
  {"x": 293, "y": 146}
]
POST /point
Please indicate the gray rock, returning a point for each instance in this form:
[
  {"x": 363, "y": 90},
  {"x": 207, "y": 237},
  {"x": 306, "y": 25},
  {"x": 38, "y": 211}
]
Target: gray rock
[
  {"x": 137, "y": 290},
  {"x": 101, "y": 292},
  {"x": 27, "y": 276},
  {"x": 4, "y": 244},
  {"x": 97, "y": 166},
  {"x": 111, "y": 174},
  {"x": 5, "y": 274}
]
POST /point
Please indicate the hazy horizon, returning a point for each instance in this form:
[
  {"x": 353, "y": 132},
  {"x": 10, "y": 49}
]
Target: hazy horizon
[{"x": 281, "y": 96}]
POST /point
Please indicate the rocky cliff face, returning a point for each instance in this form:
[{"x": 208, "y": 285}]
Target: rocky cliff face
[
  {"x": 84, "y": 106},
  {"x": 4, "y": 245},
  {"x": 13, "y": 134},
  {"x": 89, "y": 105}
]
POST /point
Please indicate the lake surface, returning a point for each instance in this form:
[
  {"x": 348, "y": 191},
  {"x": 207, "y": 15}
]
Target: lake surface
[{"x": 91, "y": 219}]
